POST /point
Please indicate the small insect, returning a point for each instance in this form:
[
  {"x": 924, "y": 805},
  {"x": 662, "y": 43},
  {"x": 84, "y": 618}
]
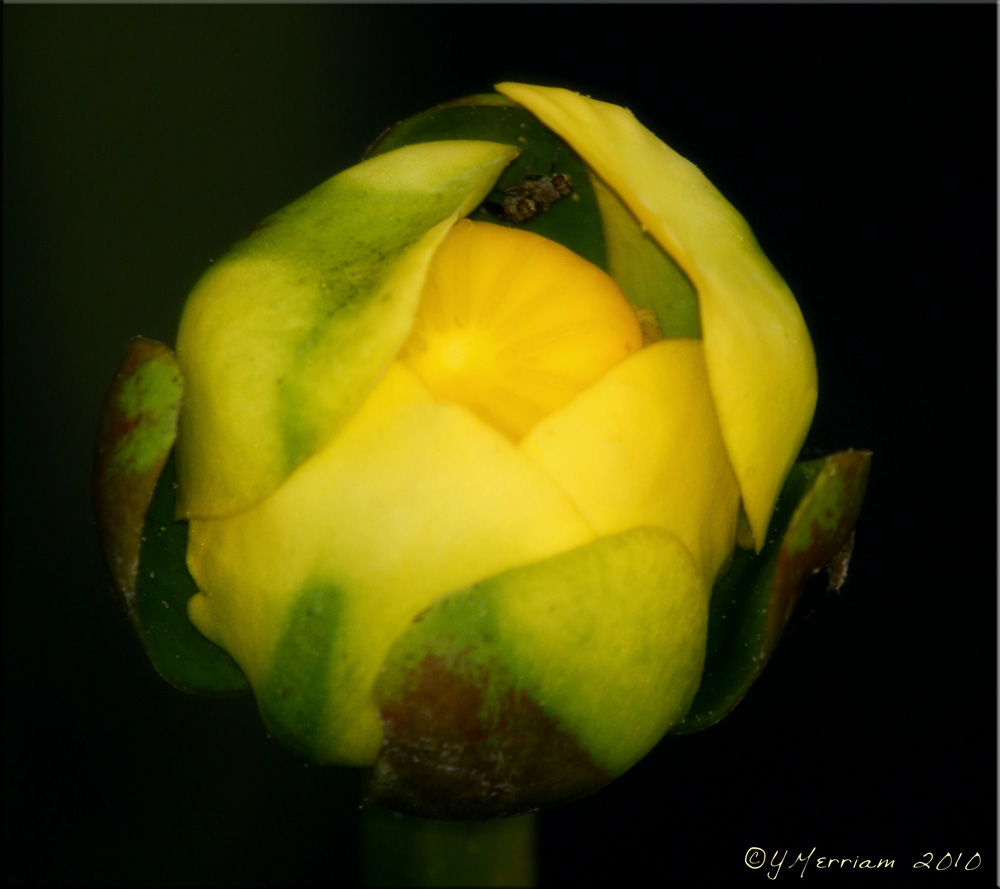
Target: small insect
[
  {"x": 534, "y": 193},
  {"x": 517, "y": 207}
]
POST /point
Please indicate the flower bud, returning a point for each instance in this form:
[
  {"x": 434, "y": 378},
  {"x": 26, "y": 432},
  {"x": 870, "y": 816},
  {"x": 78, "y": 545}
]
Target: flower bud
[{"x": 468, "y": 436}]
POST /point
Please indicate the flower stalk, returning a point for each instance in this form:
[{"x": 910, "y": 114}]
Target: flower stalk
[{"x": 398, "y": 850}]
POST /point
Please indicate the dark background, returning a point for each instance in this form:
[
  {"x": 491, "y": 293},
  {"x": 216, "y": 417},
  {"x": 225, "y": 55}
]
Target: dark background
[{"x": 860, "y": 143}]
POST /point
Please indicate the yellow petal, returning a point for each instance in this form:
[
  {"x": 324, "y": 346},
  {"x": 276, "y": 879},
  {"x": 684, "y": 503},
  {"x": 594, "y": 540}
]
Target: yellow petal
[
  {"x": 642, "y": 447},
  {"x": 412, "y": 500},
  {"x": 758, "y": 352},
  {"x": 284, "y": 337},
  {"x": 513, "y": 325}
]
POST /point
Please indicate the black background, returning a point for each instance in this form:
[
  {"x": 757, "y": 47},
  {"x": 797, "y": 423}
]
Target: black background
[{"x": 860, "y": 143}]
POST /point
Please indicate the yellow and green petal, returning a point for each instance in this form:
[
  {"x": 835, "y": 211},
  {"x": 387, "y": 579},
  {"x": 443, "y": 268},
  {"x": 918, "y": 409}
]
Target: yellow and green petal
[
  {"x": 757, "y": 349},
  {"x": 285, "y": 336},
  {"x": 413, "y": 499},
  {"x": 542, "y": 684}
]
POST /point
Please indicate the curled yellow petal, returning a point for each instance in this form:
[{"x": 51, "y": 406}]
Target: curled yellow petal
[
  {"x": 285, "y": 336},
  {"x": 758, "y": 353}
]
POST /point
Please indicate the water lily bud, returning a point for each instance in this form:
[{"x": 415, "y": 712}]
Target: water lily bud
[{"x": 466, "y": 437}]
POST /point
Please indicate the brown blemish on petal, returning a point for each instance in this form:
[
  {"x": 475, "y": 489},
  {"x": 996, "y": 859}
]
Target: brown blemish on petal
[{"x": 461, "y": 742}]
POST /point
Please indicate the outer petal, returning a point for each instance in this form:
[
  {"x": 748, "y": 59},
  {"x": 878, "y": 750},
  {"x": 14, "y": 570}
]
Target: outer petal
[
  {"x": 284, "y": 337},
  {"x": 544, "y": 683},
  {"x": 308, "y": 590},
  {"x": 759, "y": 355}
]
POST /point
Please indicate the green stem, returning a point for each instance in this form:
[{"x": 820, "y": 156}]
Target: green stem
[{"x": 402, "y": 851}]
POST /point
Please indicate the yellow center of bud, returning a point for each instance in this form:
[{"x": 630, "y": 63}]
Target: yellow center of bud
[{"x": 513, "y": 326}]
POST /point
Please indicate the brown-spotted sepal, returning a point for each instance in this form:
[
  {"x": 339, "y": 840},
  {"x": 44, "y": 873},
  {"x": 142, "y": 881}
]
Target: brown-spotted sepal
[
  {"x": 135, "y": 435},
  {"x": 144, "y": 545},
  {"x": 812, "y": 529}
]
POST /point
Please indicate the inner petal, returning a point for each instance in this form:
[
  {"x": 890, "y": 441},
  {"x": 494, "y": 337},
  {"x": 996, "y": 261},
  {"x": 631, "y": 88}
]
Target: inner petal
[{"x": 513, "y": 326}]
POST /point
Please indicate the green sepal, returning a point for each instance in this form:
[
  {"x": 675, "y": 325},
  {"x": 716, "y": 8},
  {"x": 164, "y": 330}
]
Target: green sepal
[
  {"x": 178, "y": 651},
  {"x": 135, "y": 434},
  {"x": 510, "y": 695},
  {"x": 812, "y": 528},
  {"x": 134, "y": 493}
]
